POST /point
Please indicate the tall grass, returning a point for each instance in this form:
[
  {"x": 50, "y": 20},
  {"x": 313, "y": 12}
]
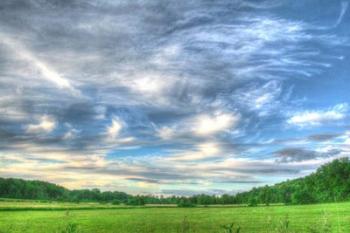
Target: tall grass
[
  {"x": 71, "y": 228},
  {"x": 323, "y": 227},
  {"x": 185, "y": 226},
  {"x": 231, "y": 228},
  {"x": 283, "y": 226}
]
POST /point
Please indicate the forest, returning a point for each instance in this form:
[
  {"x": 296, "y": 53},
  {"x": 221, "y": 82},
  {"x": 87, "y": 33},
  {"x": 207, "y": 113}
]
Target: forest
[{"x": 329, "y": 183}]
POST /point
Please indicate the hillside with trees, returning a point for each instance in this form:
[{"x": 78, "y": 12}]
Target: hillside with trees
[{"x": 330, "y": 183}]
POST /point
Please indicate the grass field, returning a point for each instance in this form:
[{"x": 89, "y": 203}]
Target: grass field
[{"x": 94, "y": 218}]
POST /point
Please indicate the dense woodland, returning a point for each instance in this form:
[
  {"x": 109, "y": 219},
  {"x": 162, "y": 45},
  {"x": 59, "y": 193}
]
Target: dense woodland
[{"x": 331, "y": 182}]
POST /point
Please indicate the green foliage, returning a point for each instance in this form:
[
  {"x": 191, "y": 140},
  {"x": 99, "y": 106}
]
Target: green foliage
[
  {"x": 253, "y": 202},
  {"x": 330, "y": 183},
  {"x": 184, "y": 202},
  {"x": 136, "y": 201},
  {"x": 115, "y": 202},
  {"x": 44, "y": 191}
]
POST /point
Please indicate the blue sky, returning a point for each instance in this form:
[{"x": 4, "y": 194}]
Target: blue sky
[{"x": 172, "y": 97}]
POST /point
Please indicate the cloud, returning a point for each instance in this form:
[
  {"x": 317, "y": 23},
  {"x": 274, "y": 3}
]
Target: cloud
[
  {"x": 166, "y": 132},
  {"x": 343, "y": 9},
  {"x": 115, "y": 137},
  {"x": 71, "y": 133},
  {"x": 319, "y": 117},
  {"x": 344, "y": 140},
  {"x": 211, "y": 124},
  {"x": 46, "y": 71},
  {"x": 177, "y": 96},
  {"x": 323, "y": 137},
  {"x": 46, "y": 124},
  {"x": 203, "y": 125},
  {"x": 295, "y": 154},
  {"x": 114, "y": 129},
  {"x": 261, "y": 5},
  {"x": 202, "y": 151},
  {"x": 263, "y": 99}
]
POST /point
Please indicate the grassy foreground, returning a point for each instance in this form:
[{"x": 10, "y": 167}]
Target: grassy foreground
[{"x": 307, "y": 218}]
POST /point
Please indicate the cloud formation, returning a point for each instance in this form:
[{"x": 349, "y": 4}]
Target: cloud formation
[
  {"x": 314, "y": 118},
  {"x": 46, "y": 124},
  {"x": 299, "y": 154},
  {"x": 158, "y": 96}
]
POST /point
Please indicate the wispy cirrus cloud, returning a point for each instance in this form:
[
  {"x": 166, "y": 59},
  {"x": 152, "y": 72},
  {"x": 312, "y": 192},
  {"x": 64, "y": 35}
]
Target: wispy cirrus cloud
[
  {"x": 100, "y": 97},
  {"x": 343, "y": 9},
  {"x": 261, "y": 99},
  {"x": 47, "y": 72},
  {"x": 319, "y": 117}
]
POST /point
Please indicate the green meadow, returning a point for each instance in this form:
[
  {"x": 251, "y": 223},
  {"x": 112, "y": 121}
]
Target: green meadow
[{"x": 37, "y": 217}]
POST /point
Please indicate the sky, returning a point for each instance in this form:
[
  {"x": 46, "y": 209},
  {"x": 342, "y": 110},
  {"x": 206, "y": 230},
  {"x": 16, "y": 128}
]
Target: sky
[{"x": 172, "y": 97}]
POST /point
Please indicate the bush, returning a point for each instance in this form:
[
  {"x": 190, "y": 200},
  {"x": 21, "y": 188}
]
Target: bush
[
  {"x": 253, "y": 202},
  {"x": 185, "y": 203},
  {"x": 116, "y": 202}
]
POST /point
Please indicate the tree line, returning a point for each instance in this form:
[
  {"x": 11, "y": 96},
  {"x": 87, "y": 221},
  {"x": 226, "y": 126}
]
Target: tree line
[{"x": 331, "y": 182}]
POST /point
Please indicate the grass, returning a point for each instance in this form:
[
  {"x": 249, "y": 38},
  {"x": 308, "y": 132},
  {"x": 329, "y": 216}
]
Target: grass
[{"x": 323, "y": 218}]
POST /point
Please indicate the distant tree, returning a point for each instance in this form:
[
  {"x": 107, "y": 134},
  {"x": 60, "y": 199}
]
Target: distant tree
[
  {"x": 331, "y": 182},
  {"x": 185, "y": 202},
  {"x": 253, "y": 202}
]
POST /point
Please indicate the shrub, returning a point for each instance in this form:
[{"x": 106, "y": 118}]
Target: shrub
[
  {"x": 185, "y": 203},
  {"x": 253, "y": 202},
  {"x": 116, "y": 202}
]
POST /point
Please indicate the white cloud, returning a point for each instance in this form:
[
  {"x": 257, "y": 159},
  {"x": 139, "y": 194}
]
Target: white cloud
[
  {"x": 347, "y": 140},
  {"x": 151, "y": 87},
  {"x": 201, "y": 125},
  {"x": 315, "y": 118},
  {"x": 344, "y": 139},
  {"x": 46, "y": 124},
  {"x": 166, "y": 132},
  {"x": 70, "y": 134},
  {"x": 114, "y": 129},
  {"x": 113, "y": 133},
  {"x": 261, "y": 5},
  {"x": 343, "y": 9},
  {"x": 47, "y": 72},
  {"x": 211, "y": 124},
  {"x": 202, "y": 151},
  {"x": 263, "y": 99}
]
